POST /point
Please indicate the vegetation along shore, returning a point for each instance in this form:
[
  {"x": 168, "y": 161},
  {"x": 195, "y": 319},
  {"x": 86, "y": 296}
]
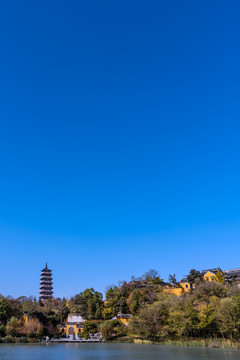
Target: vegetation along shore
[{"x": 143, "y": 310}]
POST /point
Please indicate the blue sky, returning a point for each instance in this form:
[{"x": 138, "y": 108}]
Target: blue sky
[{"x": 119, "y": 141}]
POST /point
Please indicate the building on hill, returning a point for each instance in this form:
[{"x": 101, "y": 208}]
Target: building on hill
[
  {"x": 228, "y": 277},
  {"x": 185, "y": 284},
  {"x": 232, "y": 276},
  {"x": 46, "y": 288},
  {"x": 210, "y": 274},
  {"x": 73, "y": 326},
  {"x": 123, "y": 318},
  {"x": 182, "y": 287},
  {"x": 207, "y": 275},
  {"x": 170, "y": 288}
]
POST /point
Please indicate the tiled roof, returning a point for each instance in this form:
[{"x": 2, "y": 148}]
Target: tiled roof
[
  {"x": 232, "y": 272},
  {"x": 70, "y": 324},
  {"x": 214, "y": 270}
]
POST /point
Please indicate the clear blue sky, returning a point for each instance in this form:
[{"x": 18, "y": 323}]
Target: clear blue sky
[{"x": 119, "y": 140}]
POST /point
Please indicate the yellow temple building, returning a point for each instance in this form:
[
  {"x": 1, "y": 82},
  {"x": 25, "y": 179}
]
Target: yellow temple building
[
  {"x": 123, "y": 318},
  {"x": 215, "y": 274},
  {"x": 73, "y": 326}
]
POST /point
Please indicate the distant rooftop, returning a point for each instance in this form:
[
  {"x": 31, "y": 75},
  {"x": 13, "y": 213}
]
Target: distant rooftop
[
  {"x": 214, "y": 270},
  {"x": 231, "y": 271}
]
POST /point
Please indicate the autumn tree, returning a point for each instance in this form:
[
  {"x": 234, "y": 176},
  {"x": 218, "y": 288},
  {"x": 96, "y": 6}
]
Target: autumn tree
[
  {"x": 33, "y": 328},
  {"x": 15, "y": 327}
]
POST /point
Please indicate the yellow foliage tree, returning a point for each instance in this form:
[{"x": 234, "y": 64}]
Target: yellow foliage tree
[
  {"x": 219, "y": 277},
  {"x": 33, "y": 328},
  {"x": 15, "y": 327}
]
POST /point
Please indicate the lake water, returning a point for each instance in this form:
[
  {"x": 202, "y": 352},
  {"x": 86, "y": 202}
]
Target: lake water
[{"x": 111, "y": 352}]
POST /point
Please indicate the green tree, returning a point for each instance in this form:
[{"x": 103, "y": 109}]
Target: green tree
[
  {"x": 172, "y": 279},
  {"x": 151, "y": 321},
  {"x": 116, "y": 301},
  {"x": 228, "y": 318},
  {"x": 89, "y": 304},
  {"x": 207, "y": 289},
  {"x": 107, "y": 329},
  {"x": 140, "y": 298},
  {"x": 193, "y": 276},
  {"x": 4, "y": 310},
  {"x": 207, "y": 317},
  {"x": 178, "y": 323},
  {"x": 152, "y": 277},
  {"x": 89, "y": 327}
]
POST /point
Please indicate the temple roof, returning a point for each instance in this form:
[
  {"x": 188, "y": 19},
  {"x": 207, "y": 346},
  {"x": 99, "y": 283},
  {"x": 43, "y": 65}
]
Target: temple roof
[{"x": 214, "y": 270}]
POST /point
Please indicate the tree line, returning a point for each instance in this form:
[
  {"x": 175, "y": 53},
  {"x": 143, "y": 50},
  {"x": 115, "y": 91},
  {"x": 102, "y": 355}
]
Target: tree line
[{"x": 209, "y": 310}]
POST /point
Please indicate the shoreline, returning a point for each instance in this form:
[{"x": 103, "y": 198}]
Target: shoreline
[
  {"x": 201, "y": 343},
  {"x": 204, "y": 343}
]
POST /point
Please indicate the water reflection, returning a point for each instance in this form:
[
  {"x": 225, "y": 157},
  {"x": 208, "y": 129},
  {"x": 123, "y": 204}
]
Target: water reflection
[{"x": 111, "y": 352}]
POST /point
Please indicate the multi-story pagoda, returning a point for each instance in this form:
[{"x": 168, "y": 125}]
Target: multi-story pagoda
[{"x": 46, "y": 284}]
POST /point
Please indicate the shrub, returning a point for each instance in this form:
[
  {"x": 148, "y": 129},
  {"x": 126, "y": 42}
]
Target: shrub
[
  {"x": 31, "y": 340},
  {"x": 22, "y": 339},
  {"x": 8, "y": 339}
]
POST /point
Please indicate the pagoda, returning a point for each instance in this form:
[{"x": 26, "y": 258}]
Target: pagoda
[{"x": 46, "y": 284}]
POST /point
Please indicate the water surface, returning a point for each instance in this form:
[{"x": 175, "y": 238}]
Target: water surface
[{"x": 111, "y": 352}]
